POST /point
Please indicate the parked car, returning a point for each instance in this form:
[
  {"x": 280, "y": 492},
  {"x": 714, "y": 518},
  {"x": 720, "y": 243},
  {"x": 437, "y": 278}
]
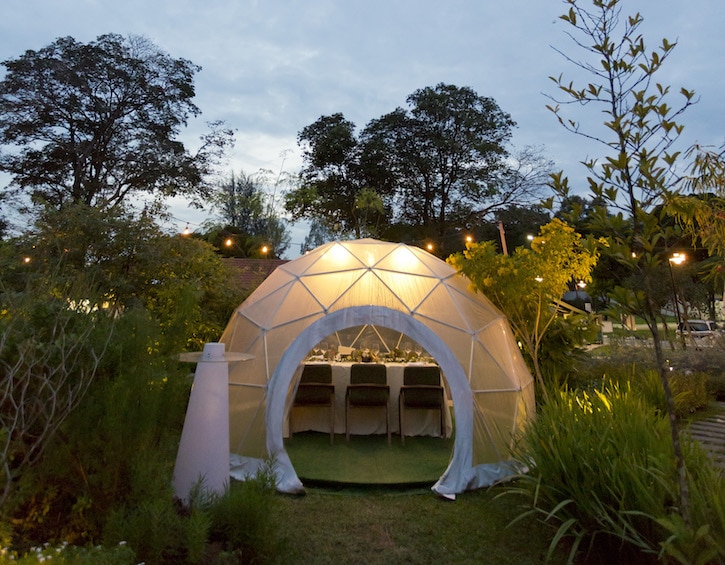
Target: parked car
[{"x": 698, "y": 328}]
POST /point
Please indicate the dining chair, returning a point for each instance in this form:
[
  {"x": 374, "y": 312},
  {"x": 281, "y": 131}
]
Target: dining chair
[
  {"x": 368, "y": 388},
  {"x": 421, "y": 390},
  {"x": 316, "y": 390}
]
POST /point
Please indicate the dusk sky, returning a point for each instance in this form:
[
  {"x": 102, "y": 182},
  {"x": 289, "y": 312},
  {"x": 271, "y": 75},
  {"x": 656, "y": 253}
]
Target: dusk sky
[{"x": 269, "y": 68}]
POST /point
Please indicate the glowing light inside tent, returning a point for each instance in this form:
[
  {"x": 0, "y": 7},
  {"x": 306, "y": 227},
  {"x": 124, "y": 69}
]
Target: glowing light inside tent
[{"x": 404, "y": 260}]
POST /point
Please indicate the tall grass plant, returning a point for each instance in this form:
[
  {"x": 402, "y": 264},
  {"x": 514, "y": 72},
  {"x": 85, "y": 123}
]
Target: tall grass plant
[{"x": 603, "y": 475}]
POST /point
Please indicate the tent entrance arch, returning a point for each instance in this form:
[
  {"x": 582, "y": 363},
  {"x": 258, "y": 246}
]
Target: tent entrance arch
[
  {"x": 356, "y": 316},
  {"x": 347, "y": 283}
]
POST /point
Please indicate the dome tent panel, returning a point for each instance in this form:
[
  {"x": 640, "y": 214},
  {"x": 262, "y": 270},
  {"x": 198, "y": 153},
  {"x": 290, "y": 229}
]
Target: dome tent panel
[
  {"x": 411, "y": 291},
  {"x": 326, "y": 289},
  {"x": 329, "y": 258},
  {"x": 496, "y": 412},
  {"x": 445, "y": 322},
  {"x": 268, "y": 305},
  {"x": 499, "y": 342},
  {"x": 487, "y": 371},
  {"x": 410, "y": 261},
  {"x": 478, "y": 310},
  {"x": 246, "y": 429}
]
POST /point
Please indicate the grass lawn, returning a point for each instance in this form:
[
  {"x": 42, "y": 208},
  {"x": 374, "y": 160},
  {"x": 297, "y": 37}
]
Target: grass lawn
[{"x": 379, "y": 526}]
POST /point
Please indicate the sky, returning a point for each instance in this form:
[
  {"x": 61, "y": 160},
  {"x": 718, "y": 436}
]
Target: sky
[{"x": 272, "y": 67}]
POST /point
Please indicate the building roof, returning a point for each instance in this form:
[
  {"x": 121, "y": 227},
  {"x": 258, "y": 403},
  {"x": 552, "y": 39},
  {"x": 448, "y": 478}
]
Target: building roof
[{"x": 253, "y": 271}]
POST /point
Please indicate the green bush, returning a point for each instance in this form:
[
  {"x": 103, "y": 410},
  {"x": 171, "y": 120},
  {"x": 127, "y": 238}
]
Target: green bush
[
  {"x": 603, "y": 472},
  {"x": 242, "y": 521},
  {"x": 159, "y": 532},
  {"x": 689, "y": 391}
]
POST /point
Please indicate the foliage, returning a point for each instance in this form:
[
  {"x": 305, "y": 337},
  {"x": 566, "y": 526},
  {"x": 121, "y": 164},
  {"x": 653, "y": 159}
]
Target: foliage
[
  {"x": 334, "y": 177},
  {"x": 97, "y": 123},
  {"x": 159, "y": 532},
  {"x": 245, "y": 206},
  {"x": 165, "y": 294},
  {"x": 603, "y": 474},
  {"x": 639, "y": 136},
  {"x": 65, "y": 554},
  {"x": 446, "y": 153},
  {"x": 136, "y": 404},
  {"x": 244, "y": 521},
  {"x": 527, "y": 284},
  {"x": 703, "y": 214},
  {"x": 439, "y": 166},
  {"x": 130, "y": 261},
  {"x": 53, "y": 338}
]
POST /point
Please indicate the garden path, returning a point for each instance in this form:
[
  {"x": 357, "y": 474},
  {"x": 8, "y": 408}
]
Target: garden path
[{"x": 710, "y": 432}]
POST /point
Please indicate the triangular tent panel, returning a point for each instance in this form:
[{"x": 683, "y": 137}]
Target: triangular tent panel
[{"x": 364, "y": 291}]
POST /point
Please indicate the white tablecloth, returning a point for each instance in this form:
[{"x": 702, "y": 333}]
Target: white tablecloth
[{"x": 366, "y": 421}]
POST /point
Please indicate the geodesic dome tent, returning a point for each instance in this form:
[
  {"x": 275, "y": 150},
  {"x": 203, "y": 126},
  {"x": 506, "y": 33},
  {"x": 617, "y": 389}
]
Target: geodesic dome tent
[{"x": 346, "y": 284}]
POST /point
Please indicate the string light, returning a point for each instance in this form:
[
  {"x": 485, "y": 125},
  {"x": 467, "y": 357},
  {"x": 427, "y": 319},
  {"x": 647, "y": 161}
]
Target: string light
[{"x": 187, "y": 230}]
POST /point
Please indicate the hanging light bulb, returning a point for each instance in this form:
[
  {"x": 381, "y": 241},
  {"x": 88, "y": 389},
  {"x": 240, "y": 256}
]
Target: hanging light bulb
[{"x": 187, "y": 230}]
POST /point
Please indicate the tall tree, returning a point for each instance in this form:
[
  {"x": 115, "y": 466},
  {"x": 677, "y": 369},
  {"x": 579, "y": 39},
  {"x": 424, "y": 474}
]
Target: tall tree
[
  {"x": 247, "y": 209},
  {"x": 95, "y": 123},
  {"x": 433, "y": 169},
  {"x": 446, "y": 153},
  {"x": 337, "y": 188},
  {"x": 637, "y": 171}
]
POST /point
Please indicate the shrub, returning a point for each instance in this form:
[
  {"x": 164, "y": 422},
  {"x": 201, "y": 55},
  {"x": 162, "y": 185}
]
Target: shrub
[
  {"x": 603, "y": 472},
  {"x": 159, "y": 532},
  {"x": 242, "y": 520}
]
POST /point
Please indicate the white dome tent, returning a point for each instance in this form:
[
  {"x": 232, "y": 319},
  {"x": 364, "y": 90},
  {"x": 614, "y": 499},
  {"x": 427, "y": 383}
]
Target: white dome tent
[{"x": 389, "y": 285}]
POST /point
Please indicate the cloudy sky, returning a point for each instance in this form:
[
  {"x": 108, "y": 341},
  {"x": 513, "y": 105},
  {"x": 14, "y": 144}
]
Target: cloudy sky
[{"x": 271, "y": 67}]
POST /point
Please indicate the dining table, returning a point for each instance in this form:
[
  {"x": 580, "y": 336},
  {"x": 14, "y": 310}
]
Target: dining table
[{"x": 367, "y": 421}]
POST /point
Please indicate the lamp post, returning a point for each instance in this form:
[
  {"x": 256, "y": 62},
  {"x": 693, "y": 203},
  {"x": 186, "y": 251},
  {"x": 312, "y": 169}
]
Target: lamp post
[{"x": 677, "y": 259}]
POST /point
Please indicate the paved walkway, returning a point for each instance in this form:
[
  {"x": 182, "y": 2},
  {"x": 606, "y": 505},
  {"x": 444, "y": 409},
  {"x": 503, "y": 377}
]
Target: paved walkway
[{"x": 711, "y": 435}]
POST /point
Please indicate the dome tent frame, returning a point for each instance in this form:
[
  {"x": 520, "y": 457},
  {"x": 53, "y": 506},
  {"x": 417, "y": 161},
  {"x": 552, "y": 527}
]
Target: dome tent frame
[{"x": 350, "y": 283}]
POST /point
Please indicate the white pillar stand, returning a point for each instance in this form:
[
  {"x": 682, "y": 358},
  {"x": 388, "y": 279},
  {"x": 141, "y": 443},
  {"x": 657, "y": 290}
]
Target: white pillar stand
[{"x": 203, "y": 455}]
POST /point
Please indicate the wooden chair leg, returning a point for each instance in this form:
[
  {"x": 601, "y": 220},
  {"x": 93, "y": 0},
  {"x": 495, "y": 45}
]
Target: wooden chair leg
[
  {"x": 400, "y": 419},
  {"x": 347, "y": 417},
  {"x": 332, "y": 422},
  {"x": 387, "y": 422},
  {"x": 443, "y": 429}
]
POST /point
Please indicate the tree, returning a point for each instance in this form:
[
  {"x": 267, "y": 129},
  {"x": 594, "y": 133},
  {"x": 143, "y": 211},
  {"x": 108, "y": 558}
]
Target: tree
[
  {"x": 703, "y": 213},
  {"x": 527, "y": 284},
  {"x": 447, "y": 155},
  {"x": 426, "y": 172},
  {"x": 639, "y": 134},
  {"x": 96, "y": 123},
  {"x": 248, "y": 211},
  {"x": 337, "y": 188}
]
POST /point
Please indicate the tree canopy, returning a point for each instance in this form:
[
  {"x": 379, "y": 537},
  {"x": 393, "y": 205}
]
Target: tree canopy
[
  {"x": 434, "y": 168},
  {"x": 527, "y": 284},
  {"x": 247, "y": 217},
  {"x": 94, "y": 123}
]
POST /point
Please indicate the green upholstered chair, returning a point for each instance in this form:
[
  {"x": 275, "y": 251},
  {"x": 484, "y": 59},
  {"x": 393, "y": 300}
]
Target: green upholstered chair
[
  {"x": 368, "y": 388},
  {"x": 421, "y": 390},
  {"x": 316, "y": 390}
]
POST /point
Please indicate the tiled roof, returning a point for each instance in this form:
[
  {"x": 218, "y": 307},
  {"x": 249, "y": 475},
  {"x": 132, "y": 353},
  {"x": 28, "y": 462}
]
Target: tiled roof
[{"x": 253, "y": 271}]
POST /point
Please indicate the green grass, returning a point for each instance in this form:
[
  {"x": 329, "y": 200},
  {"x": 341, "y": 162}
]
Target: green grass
[
  {"x": 389, "y": 528},
  {"x": 368, "y": 459}
]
